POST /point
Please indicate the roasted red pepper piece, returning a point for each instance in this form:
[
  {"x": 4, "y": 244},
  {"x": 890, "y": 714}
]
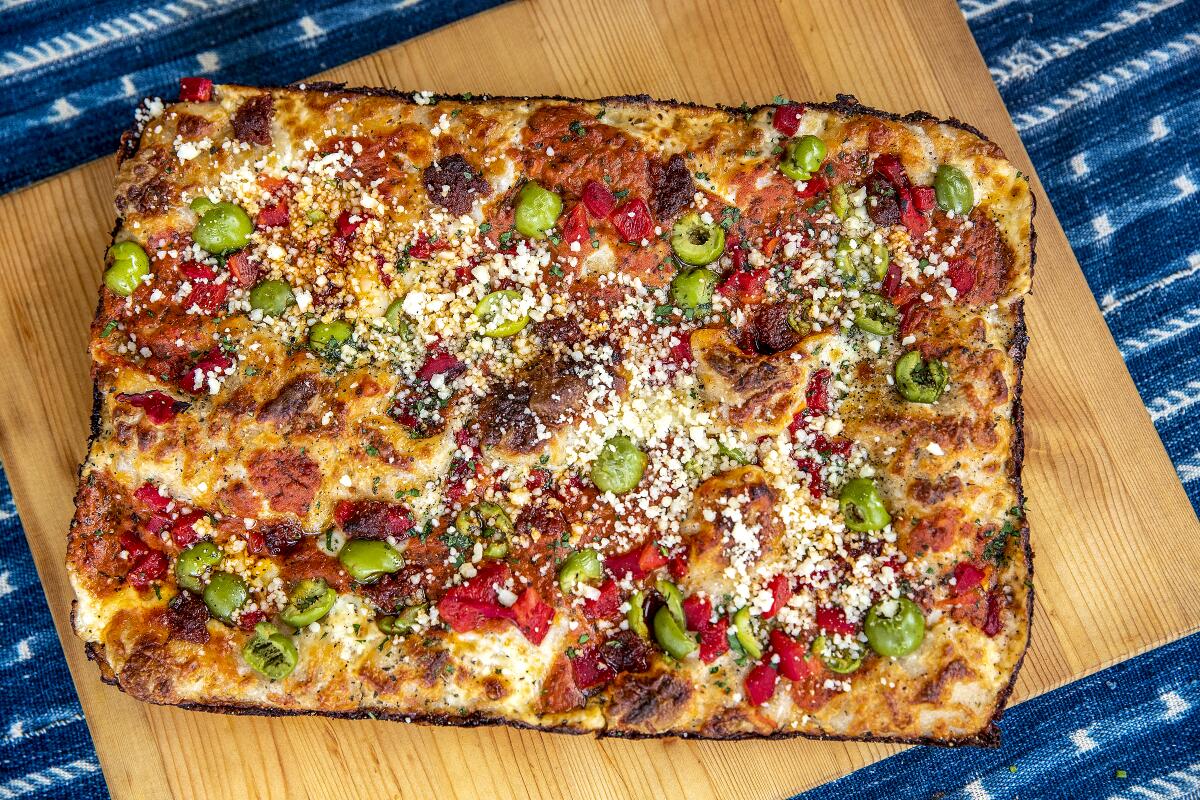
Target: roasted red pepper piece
[
  {"x": 243, "y": 271},
  {"x": 697, "y": 613},
  {"x": 781, "y": 592},
  {"x": 745, "y": 285},
  {"x": 575, "y": 229},
  {"x": 760, "y": 684},
  {"x": 589, "y": 668},
  {"x": 633, "y": 221},
  {"x": 469, "y": 605},
  {"x": 923, "y": 198},
  {"x": 793, "y": 661},
  {"x": 183, "y": 531},
  {"x": 817, "y": 392},
  {"x": 961, "y": 275},
  {"x": 966, "y": 577},
  {"x": 786, "y": 118},
  {"x": 833, "y": 620},
  {"x": 149, "y": 494},
  {"x": 606, "y": 605},
  {"x": 215, "y": 362},
  {"x": 273, "y": 216},
  {"x": 809, "y": 466},
  {"x": 195, "y": 90},
  {"x": 347, "y": 224},
  {"x": 438, "y": 362},
  {"x": 598, "y": 199},
  {"x": 912, "y": 316},
  {"x": 814, "y": 186},
  {"x": 532, "y": 615},
  {"x": 159, "y": 407},
  {"x": 891, "y": 281}
]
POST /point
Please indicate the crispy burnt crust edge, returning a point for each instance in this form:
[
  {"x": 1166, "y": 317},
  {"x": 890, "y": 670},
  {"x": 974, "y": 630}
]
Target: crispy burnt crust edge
[{"x": 987, "y": 736}]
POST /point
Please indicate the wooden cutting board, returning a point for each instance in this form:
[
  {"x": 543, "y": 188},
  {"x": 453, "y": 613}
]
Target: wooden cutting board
[{"x": 1117, "y": 567}]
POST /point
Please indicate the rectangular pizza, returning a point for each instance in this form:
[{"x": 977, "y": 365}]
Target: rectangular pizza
[{"x": 618, "y": 416}]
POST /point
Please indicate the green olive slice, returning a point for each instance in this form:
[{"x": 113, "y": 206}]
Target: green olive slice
[
  {"x": 918, "y": 380},
  {"x": 128, "y": 265},
  {"x": 327, "y": 338},
  {"x": 843, "y": 663},
  {"x": 270, "y": 653},
  {"x": 579, "y": 567},
  {"x": 693, "y": 288},
  {"x": 697, "y": 242},
  {"x": 953, "y": 189},
  {"x": 223, "y": 228},
  {"x": 671, "y": 635},
  {"x": 802, "y": 157},
  {"x": 225, "y": 594},
  {"x": 272, "y": 298},
  {"x": 862, "y": 507},
  {"x": 495, "y": 313},
  {"x": 537, "y": 210},
  {"x": 368, "y": 560},
  {"x": 744, "y": 632},
  {"x": 619, "y": 467},
  {"x": 895, "y": 627},
  {"x": 192, "y": 564},
  {"x": 402, "y": 623},
  {"x": 877, "y": 315},
  {"x": 672, "y": 597},
  {"x": 309, "y": 602},
  {"x": 636, "y": 615},
  {"x": 488, "y": 523}
]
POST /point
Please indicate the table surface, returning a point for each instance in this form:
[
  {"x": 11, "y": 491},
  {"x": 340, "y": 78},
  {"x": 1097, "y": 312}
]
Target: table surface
[{"x": 1117, "y": 568}]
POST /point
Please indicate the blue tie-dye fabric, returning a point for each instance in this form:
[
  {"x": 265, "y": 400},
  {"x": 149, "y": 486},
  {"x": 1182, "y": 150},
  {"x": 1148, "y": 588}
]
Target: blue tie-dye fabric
[{"x": 1106, "y": 96}]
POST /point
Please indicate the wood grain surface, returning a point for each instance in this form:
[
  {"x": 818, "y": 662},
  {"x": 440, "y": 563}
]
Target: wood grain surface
[{"x": 1117, "y": 564}]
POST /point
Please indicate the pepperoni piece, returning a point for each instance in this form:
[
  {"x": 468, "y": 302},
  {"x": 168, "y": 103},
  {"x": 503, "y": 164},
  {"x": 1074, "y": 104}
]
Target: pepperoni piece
[
  {"x": 454, "y": 184},
  {"x": 633, "y": 221},
  {"x": 195, "y": 90},
  {"x": 673, "y": 187},
  {"x": 252, "y": 121},
  {"x": 600, "y": 201},
  {"x": 786, "y": 118}
]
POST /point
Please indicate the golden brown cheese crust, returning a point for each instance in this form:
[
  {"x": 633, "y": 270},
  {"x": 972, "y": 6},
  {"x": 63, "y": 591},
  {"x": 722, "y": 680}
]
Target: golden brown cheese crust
[{"x": 277, "y": 453}]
